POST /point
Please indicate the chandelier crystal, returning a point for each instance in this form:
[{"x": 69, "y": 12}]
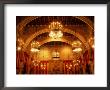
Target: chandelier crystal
[
  {"x": 35, "y": 46},
  {"x": 55, "y": 28},
  {"x": 77, "y": 50}
]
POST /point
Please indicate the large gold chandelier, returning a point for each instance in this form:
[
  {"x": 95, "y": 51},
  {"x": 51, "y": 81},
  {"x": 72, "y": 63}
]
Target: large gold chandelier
[{"x": 55, "y": 28}]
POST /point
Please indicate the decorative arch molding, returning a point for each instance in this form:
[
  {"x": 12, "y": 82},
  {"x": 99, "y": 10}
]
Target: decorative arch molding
[
  {"x": 51, "y": 40},
  {"x": 86, "y": 20},
  {"x": 79, "y": 36},
  {"x": 22, "y": 24}
]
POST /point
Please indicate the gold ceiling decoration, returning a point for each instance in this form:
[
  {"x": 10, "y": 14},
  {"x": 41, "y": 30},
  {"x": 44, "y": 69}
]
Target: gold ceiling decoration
[
  {"x": 55, "y": 28},
  {"x": 56, "y": 25}
]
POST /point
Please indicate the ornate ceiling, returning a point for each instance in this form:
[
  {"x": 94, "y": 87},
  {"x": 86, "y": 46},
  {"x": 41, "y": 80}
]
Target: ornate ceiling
[{"x": 30, "y": 28}]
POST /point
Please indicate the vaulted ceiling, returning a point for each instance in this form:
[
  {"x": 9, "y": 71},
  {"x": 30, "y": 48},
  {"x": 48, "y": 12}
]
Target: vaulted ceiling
[{"x": 30, "y": 28}]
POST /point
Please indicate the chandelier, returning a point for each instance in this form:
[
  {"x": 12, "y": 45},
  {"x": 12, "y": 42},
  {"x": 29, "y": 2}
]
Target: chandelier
[
  {"x": 35, "y": 46},
  {"x": 20, "y": 44},
  {"x": 55, "y": 28},
  {"x": 77, "y": 50},
  {"x": 76, "y": 45},
  {"x": 91, "y": 42}
]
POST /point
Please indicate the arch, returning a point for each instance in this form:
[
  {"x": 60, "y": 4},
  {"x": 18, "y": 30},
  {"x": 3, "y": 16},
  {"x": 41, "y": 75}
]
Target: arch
[
  {"x": 60, "y": 39},
  {"x": 22, "y": 24},
  {"x": 86, "y": 20},
  {"x": 79, "y": 36}
]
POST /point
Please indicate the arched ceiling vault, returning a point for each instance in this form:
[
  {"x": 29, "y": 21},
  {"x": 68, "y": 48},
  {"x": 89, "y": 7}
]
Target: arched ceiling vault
[
  {"x": 79, "y": 36},
  {"x": 28, "y": 19},
  {"x": 86, "y": 20},
  {"x": 51, "y": 40},
  {"x": 65, "y": 40}
]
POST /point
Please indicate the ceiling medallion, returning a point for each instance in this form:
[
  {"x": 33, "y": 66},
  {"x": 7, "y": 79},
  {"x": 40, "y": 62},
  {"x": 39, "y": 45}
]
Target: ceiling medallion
[{"x": 55, "y": 28}]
